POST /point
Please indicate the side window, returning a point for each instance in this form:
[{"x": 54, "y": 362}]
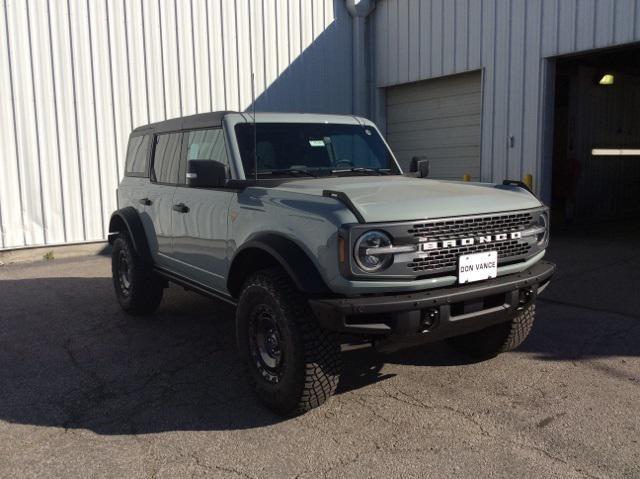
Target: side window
[
  {"x": 166, "y": 159},
  {"x": 204, "y": 145},
  {"x": 137, "y": 163}
]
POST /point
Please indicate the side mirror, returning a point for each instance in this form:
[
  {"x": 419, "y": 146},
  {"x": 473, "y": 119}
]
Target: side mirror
[
  {"x": 206, "y": 174},
  {"x": 420, "y": 166}
]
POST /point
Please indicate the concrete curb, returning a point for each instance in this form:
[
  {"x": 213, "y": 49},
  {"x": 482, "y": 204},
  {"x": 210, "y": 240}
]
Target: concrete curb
[{"x": 51, "y": 253}]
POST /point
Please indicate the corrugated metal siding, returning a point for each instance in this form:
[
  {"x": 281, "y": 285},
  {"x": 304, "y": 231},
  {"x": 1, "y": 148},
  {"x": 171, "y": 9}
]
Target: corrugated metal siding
[
  {"x": 508, "y": 39},
  {"x": 77, "y": 75},
  {"x": 439, "y": 119}
]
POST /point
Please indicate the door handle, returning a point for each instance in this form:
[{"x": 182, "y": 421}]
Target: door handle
[
  {"x": 181, "y": 208},
  {"x": 145, "y": 201}
]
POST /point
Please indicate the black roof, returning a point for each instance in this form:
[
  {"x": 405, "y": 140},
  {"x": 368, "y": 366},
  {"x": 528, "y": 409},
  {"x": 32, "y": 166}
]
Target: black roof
[{"x": 201, "y": 120}]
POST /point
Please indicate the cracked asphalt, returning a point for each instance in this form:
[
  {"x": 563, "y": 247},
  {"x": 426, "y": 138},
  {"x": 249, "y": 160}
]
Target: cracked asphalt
[{"x": 86, "y": 391}]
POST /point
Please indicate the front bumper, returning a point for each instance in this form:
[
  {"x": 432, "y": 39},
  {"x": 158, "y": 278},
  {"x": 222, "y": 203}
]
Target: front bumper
[{"x": 435, "y": 314}]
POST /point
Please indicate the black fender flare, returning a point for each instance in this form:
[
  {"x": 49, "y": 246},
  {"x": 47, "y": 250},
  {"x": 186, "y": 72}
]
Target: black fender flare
[
  {"x": 129, "y": 218},
  {"x": 289, "y": 255}
]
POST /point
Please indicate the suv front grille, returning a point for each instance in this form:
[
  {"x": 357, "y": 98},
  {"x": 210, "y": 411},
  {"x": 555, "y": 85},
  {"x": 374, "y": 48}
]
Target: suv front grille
[
  {"x": 468, "y": 227},
  {"x": 446, "y": 259}
]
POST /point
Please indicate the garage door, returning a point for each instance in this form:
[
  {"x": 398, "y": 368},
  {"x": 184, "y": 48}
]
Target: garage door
[{"x": 439, "y": 119}]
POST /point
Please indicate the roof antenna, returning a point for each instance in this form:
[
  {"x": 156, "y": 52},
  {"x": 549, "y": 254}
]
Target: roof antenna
[{"x": 255, "y": 135}]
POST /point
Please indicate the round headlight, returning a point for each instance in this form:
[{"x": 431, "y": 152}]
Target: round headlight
[
  {"x": 543, "y": 222},
  {"x": 373, "y": 262}
]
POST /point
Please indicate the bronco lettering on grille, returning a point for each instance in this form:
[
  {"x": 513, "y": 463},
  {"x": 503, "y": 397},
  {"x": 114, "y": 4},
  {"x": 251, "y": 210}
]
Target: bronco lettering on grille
[{"x": 436, "y": 245}]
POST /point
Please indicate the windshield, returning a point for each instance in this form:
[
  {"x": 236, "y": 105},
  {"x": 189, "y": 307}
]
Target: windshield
[{"x": 313, "y": 149}]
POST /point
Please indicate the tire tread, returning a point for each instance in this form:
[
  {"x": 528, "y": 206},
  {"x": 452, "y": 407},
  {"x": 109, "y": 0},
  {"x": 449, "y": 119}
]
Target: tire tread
[
  {"x": 147, "y": 287},
  {"x": 321, "y": 347},
  {"x": 496, "y": 339}
]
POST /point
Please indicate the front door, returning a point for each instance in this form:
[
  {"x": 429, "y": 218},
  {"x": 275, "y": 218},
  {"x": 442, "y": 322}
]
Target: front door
[{"x": 200, "y": 215}]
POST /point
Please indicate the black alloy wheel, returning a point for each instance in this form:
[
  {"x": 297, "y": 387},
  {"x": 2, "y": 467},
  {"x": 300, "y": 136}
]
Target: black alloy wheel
[{"x": 265, "y": 343}]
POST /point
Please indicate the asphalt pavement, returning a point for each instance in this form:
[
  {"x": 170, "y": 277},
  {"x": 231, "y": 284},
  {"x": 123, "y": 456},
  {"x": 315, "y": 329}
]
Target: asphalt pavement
[{"x": 86, "y": 391}]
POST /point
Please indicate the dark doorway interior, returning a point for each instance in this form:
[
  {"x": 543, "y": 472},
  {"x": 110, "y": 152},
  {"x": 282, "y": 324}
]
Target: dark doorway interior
[{"x": 603, "y": 184}]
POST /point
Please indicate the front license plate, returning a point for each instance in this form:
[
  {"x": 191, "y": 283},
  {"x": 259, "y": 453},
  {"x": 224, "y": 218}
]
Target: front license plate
[{"x": 477, "y": 266}]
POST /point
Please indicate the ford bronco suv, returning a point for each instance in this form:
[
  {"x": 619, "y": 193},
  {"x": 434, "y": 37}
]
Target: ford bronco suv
[{"x": 308, "y": 226}]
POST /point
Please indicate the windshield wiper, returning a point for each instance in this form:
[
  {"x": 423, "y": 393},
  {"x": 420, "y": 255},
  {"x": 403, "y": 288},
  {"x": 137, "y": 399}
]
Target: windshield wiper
[
  {"x": 285, "y": 171},
  {"x": 379, "y": 171}
]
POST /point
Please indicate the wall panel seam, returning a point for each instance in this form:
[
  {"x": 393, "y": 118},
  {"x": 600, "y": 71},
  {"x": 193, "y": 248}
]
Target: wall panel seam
[
  {"x": 539, "y": 89},
  {"x": 15, "y": 125},
  {"x": 57, "y": 127},
  {"x": 144, "y": 57},
  {"x": 95, "y": 120},
  {"x": 113, "y": 109},
  {"x": 235, "y": 26},
  {"x": 179, "y": 76},
  {"x": 468, "y": 11},
  {"x": 224, "y": 68},
  {"x": 507, "y": 146},
  {"x": 249, "y": 10},
  {"x": 264, "y": 51},
  {"x": 208, "y": 37},
  {"x": 126, "y": 43},
  {"x": 75, "y": 119},
  {"x": 193, "y": 56},
  {"x": 524, "y": 90},
  {"x": 36, "y": 125},
  {"x": 162, "y": 66},
  {"x": 493, "y": 87}
]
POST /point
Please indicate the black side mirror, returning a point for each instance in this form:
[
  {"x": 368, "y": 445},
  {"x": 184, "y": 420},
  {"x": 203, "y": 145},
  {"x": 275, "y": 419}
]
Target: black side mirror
[
  {"x": 420, "y": 166},
  {"x": 206, "y": 174}
]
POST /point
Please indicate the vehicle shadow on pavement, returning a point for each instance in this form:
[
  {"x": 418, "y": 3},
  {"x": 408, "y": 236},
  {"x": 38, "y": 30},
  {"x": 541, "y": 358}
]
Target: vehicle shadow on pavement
[{"x": 71, "y": 358}]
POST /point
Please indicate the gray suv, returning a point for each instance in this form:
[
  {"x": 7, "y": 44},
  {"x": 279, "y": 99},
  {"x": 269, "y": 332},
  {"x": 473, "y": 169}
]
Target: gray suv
[{"x": 307, "y": 224}]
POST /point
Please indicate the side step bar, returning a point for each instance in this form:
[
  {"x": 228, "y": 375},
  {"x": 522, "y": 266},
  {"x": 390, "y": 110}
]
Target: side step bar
[{"x": 194, "y": 286}]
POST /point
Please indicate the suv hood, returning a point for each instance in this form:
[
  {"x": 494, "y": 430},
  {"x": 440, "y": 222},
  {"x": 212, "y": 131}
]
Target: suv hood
[{"x": 400, "y": 198}]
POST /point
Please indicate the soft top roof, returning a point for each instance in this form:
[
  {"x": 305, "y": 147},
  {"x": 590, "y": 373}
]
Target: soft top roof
[{"x": 201, "y": 120}]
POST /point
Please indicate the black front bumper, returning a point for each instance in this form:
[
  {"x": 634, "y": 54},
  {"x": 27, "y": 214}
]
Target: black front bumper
[{"x": 435, "y": 314}]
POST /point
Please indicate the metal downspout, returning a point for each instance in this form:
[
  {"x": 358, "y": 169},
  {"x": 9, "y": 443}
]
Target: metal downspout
[{"x": 360, "y": 10}]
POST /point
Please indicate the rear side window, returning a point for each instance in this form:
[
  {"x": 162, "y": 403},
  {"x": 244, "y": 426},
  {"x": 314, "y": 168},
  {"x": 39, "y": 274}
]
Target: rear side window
[
  {"x": 166, "y": 159},
  {"x": 204, "y": 145},
  {"x": 137, "y": 163}
]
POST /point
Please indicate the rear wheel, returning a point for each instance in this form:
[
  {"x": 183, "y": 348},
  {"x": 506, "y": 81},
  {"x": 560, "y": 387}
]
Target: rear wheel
[
  {"x": 496, "y": 339},
  {"x": 292, "y": 363},
  {"x": 138, "y": 288}
]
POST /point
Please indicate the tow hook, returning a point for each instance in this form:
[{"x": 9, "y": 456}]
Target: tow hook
[
  {"x": 526, "y": 296},
  {"x": 429, "y": 320}
]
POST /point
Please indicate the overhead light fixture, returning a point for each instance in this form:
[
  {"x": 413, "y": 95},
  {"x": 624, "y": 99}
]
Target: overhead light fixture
[
  {"x": 615, "y": 151},
  {"x": 607, "y": 79}
]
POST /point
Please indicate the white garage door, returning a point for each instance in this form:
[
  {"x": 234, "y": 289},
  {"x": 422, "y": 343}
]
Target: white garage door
[{"x": 439, "y": 119}]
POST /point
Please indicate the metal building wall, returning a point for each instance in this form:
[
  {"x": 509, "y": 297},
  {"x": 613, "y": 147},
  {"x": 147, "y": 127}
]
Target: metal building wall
[
  {"x": 508, "y": 39},
  {"x": 77, "y": 75}
]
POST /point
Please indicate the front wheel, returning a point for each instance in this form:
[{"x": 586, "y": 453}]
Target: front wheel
[
  {"x": 292, "y": 363},
  {"x": 496, "y": 339}
]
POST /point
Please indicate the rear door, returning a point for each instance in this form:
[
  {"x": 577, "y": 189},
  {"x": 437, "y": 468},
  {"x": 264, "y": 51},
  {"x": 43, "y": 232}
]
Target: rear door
[
  {"x": 133, "y": 189},
  {"x": 164, "y": 177},
  {"x": 200, "y": 215}
]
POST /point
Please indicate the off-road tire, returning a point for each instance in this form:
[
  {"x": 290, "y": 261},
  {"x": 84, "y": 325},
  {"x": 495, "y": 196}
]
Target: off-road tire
[
  {"x": 496, "y": 339},
  {"x": 309, "y": 371},
  {"x": 143, "y": 291}
]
